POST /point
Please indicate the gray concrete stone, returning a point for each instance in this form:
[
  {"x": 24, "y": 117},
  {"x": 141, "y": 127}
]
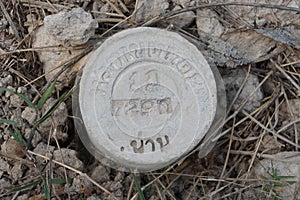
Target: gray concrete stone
[
  {"x": 54, "y": 59},
  {"x": 149, "y": 9},
  {"x": 207, "y": 22},
  {"x": 183, "y": 19},
  {"x": 68, "y": 157},
  {"x": 151, "y": 89},
  {"x": 100, "y": 174},
  {"x": 30, "y": 115},
  {"x": 73, "y": 27}
]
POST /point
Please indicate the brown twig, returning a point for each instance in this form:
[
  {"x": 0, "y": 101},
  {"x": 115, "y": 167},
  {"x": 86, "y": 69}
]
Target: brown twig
[
  {"x": 76, "y": 171},
  {"x": 11, "y": 23}
]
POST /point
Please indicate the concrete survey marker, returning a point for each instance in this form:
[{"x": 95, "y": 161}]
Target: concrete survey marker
[{"x": 147, "y": 97}]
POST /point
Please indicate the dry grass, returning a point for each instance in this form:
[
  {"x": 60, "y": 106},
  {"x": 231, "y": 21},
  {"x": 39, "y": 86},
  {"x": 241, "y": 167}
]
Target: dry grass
[{"x": 226, "y": 172}]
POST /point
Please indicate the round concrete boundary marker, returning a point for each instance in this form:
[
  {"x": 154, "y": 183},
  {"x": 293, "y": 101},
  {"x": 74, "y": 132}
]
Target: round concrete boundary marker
[{"x": 146, "y": 98}]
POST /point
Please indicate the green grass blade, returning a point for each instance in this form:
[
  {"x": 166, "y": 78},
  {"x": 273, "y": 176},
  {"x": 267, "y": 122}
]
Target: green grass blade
[
  {"x": 46, "y": 190},
  {"x": 10, "y": 122},
  {"x": 47, "y": 94},
  {"x": 18, "y": 137},
  {"x": 63, "y": 97},
  {"x": 284, "y": 177},
  {"x": 29, "y": 103},
  {"x": 25, "y": 186},
  {"x": 138, "y": 187}
]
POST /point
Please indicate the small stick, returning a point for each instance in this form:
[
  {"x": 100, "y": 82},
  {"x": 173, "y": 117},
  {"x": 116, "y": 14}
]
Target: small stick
[
  {"x": 11, "y": 23},
  {"x": 76, "y": 171},
  {"x": 287, "y": 76}
]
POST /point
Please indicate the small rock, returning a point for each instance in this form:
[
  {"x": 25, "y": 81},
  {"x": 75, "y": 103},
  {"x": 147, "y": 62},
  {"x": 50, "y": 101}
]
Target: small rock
[
  {"x": 26, "y": 197},
  {"x": 207, "y": 22},
  {"x": 233, "y": 82},
  {"x": 9, "y": 94},
  {"x": 119, "y": 176},
  {"x": 36, "y": 138},
  {"x": 17, "y": 172},
  {"x": 269, "y": 171},
  {"x": 4, "y": 166},
  {"x": 147, "y": 10},
  {"x": 99, "y": 6},
  {"x": 15, "y": 100},
  {"x": 270, "y": 145},
  {"x": 5, "y": 184},
  {"x": 58, "y": 118},
  {"x": 293, "y": 108},
  {"x": 93, "y": 197},
  {"x": 115, "y": 186},
  {"x": 30, "y": 115},
  {"x": 100, "y": 174},
  {"x": 3, "y": 24},
  {"x": 289, "y": 112},
  {"x": 184, "y": 3},
  {"x": 183, "y": 19},
  {"x": 78, "y": 184},
  {"x": 75, "y": 26},
  {"x": 68, "y": 157},
  {"x": 54, "y": 59},
  {"x": 45, "y": 150},
  {"x": 4, "y": 82}
]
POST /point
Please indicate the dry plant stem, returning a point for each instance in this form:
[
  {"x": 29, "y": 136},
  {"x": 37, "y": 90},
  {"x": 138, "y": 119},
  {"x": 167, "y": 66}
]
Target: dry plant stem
[
  {"x": 270, "y": 6},
  {"x": 115, "y": 8},
  {"x": 270, "y": 131},
  {"x": 292, "y": 117},
  {"x": 108, "y": 14},
  {"x": 123, "y": 6},
  {"x": 10, "y": 21},
  {"x": 46, "y": 48},
  {"x": 240, "y": 107},
  {"x": 153, "y": 181},
  {"x": 231, "y": 116},
  {"x": 16, "y": 195},
  {"x": 158, "y": 191},
  {"x": 291, "y": 63},
  {"x": 23, "y": 161},
  {"x": 24, "y": 79},
  {"x": 239, "y": 91},
  {"x": 193, "y": 188},
  {"x": 211, "y": 195},
  {"x": 66, "y": 65},
  {"x": 44, "y": 5},
  {"x": 258, "y": 145},
  {"x": 65, "y": 171},
  {"x": 111, "y": 20},
  {"x": 287, "y": 76},
  {"x": 289, "y": 124},
  {"x": 227, "y": 154},
  {"x": 261, "y": 155},
  {"x": 130, "y": 189},
  {"x": 243, "y": 189},
  {"x": 76, "y": 171},
  {"x": 162, "y": 185}
]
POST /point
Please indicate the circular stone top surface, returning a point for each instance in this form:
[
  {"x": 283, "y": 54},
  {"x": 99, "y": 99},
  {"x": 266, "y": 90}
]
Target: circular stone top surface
[{"x": 147, "y": 97}]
